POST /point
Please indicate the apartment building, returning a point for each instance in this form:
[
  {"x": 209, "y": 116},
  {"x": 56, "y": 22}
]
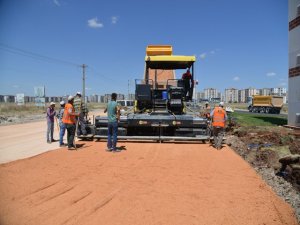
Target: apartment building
[
  {"x": 294, "y": 63},
  {"x": 280, "y": 91},
  {"x": 231, "y": 95},
  {"x": 210, "y": 93},
  {"x": 245, "y": 93},
  {"x": 265, "y": 91}
]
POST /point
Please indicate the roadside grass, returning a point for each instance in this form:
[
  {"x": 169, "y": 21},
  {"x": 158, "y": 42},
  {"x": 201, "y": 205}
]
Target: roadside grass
[
  {"x": 238, "y": 105},
  {"x": 243, "y": 119},
  {"x": 12, "y": 109}
]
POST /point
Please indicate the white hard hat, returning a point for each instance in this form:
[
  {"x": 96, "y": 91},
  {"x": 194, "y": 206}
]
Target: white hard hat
[
  {"x": 78, "y": 93},
  {"x": 52, "y": 103},
  {"x": 206, "y": 103},
  {"x": 70, "y": 97},
  {"x": 62, "y": 103},
  {"x": 221, "y": 104}
]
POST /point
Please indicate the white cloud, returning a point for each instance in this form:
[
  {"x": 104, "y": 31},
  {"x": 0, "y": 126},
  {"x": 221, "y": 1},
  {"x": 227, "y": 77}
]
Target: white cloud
[
  {"x": 114, "y": 19},
  {"x": 16, "y": 86},
  {"x": 88, "y": 89},
  {"x": 93, "y": 23},
  {"x": 271, "y": 74},
  {"x": 236, "y": 78},
  {"x": 203, "y": 55},
  {"x": 56, "y": 2}
]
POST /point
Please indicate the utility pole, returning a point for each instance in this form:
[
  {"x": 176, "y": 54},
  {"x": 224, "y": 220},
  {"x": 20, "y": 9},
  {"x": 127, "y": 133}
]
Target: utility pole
[{"x": 83, "y": 81}]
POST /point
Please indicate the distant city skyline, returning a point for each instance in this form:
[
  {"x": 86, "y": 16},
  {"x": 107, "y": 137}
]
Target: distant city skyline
[{"x": 229, "y": 95}]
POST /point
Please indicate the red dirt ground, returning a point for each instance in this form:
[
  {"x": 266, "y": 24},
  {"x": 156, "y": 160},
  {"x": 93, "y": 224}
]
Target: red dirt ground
[{"x": 148, "y": 183}]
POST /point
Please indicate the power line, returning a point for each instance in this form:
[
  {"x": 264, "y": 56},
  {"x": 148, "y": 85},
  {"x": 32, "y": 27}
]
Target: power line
[
  {"x": 33, "y": 55},
  {"x": 102, "y": 75}
]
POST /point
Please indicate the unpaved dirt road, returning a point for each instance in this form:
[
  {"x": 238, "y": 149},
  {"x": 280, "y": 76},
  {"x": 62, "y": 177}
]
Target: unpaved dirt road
[
  {"x": 24, "y": 140},
  {"x": 146, "y": 183}
]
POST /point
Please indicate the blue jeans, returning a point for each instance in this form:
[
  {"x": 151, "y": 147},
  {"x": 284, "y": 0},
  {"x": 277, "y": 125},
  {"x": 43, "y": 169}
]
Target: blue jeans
[
  {"x": 50, "y": 130},
  {"x": 62, "y": 131},
  {"x": 112, "y": 135}
]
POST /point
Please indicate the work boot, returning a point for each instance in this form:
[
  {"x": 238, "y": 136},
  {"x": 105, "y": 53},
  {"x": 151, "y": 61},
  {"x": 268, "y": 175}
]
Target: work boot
[{"x": 108, "y": 149}]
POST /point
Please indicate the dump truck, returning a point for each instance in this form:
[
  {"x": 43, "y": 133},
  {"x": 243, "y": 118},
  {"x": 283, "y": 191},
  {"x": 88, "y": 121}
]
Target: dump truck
[
  {"x": 160, "y": 111},
  {"x": 265, "y": 104}
]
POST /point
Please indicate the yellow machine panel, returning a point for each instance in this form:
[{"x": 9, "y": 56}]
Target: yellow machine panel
[{"x": 159, "y": 50}]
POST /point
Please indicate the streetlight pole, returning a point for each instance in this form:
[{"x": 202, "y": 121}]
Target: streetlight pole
[{"x": 83, "y": 81}]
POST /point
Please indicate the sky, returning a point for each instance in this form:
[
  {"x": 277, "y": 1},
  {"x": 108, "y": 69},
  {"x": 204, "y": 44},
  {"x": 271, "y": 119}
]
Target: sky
[{"x": 237, "y": 43}]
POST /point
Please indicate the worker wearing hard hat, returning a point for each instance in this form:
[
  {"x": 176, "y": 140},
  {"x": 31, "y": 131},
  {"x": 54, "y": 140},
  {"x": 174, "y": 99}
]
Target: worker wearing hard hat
[
  {"x": 80, "y": 108},
  {"x": 219, "y": 117},
  {"x": 62, "y": 127},
  {"x": 69, "y": 119},
  {"x": 50, "y": 122}
]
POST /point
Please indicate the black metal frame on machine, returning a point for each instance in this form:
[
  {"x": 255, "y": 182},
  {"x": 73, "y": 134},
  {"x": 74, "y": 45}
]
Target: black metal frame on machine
[{"x": 157, "y": 125}]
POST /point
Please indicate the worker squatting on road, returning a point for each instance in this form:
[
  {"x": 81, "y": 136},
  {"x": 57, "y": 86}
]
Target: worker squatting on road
[
  {"x": 50, "y": 122},
  {"x": 69, "y": 119},
  {"x": 219, "y": 117},
  {"x": 187, "y": 78},
  {"x": 81, "y": 109},
  {"x": 113, "y": 115},
  {"x": 62, "y": 126}
]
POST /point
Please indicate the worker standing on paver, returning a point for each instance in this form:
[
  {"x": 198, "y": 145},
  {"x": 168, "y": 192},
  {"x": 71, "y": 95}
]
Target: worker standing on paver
[
  {"x": 62, "y": 126},
  {"x": 50, "y": 122},
  {"x": 219, "y": 117},
  {"x": 113, "y": 115},
  {"x": 80, "y": 108},
  {"x": 69, "y": 119},
  {"x": 187, "y": 78}
]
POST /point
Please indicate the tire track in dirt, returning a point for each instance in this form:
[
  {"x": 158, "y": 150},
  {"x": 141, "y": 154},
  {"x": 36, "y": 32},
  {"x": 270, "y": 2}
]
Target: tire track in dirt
[
  {"x": 82, "y": 197},
  {"x": 39, "y": 190},
  {"x": 59, "y": 194},
  {"x": 94, "y": 207}
]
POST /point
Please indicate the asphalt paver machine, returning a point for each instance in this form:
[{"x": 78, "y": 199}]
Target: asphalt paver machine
[{"x": 160, "y": 108}]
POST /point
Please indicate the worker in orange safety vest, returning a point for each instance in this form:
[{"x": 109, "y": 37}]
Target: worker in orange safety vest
[
  {"x": 219, "y": 117},
  {"x": 69, "y": 119}
]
